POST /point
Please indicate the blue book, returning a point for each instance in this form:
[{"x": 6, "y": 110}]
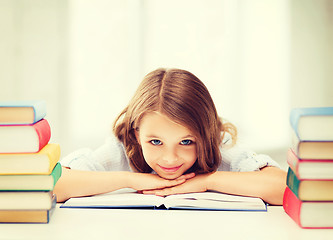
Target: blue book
[
  {"x": 312, "y": 124},
  {"x": 22, "y": 112}
]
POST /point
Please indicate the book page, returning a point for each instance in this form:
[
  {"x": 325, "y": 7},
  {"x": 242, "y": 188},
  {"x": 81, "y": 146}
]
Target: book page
[
  {"x": 214, "y": 200},
  {"x": 214, "y": 196},
  {"x": 122, "y": 197},
  {"x": 130, "y": 198}
]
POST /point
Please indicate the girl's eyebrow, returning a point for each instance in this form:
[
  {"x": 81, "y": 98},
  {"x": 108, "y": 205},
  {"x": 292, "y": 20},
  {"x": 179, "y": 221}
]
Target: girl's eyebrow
[
  {"x": 154, "y": 136},
  {"x": 188, "y": 136},
  {"x": 151, "y": 136}
]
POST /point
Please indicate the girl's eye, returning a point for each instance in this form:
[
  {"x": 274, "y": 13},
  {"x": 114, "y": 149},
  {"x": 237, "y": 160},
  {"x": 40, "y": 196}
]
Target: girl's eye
[
  {"x": 155, "y": 142},
  {"x": 186, "y": 142}
]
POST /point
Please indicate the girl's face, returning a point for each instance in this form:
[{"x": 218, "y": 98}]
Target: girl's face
[{"x": 168, "y": 148}]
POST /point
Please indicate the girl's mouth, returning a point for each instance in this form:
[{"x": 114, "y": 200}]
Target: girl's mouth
[{"x": 171, "y": 169}]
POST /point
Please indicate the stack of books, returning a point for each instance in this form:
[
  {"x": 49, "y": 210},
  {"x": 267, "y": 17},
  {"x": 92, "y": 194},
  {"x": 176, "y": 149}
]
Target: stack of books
[
  {"x": 29, "y": 165},
  {"x": 308, "y": 198}
]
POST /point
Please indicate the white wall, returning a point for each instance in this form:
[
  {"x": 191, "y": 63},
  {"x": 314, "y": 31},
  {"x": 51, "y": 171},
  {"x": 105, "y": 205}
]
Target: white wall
[
  {"x": 33, "y": 56},
  {"x": 86, "y": 59},
  {"x": 239, "y": 49},
  {"x": 312, "y": 53},
  {"x": 103, "y": 67}
]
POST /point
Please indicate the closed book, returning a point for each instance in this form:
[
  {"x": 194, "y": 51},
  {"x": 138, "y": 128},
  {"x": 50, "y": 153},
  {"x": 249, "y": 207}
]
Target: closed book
[
  {"x": 308, "y": 214},
  {"x": 41, "y": 162},
  {"x": 312, "y": 149},
  {"x": 22, "y": 200},
  {"x": 30, "y": 182},
  {"x": 320, "y": 169},
  {"x": 28, "y": 216},
  {"x": 24, "y": 138},
  {"x": 22, "y": 112},
  {"x": 310, "y": 190},
  {"x": 313, "y": 124}
]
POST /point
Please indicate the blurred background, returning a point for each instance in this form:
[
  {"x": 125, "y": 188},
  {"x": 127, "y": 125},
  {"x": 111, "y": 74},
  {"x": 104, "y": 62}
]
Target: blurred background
[{"x": 258, "y": 58}]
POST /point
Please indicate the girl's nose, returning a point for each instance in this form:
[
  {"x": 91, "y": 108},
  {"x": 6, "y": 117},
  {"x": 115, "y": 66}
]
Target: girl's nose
[{"x": 170, "y": 156}]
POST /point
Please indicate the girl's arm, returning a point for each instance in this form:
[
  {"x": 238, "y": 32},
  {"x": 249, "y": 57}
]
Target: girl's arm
[
  {"x": 269, "y": 184},
  {"x": 77, "y": 183}
]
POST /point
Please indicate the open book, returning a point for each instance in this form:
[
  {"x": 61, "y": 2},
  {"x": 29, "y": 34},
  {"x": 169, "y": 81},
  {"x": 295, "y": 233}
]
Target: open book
[{"x": 128, "y": 198}]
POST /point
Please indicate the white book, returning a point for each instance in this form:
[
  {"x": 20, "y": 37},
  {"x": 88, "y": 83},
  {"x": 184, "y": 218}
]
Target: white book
[{"x": 129, "y": 198}]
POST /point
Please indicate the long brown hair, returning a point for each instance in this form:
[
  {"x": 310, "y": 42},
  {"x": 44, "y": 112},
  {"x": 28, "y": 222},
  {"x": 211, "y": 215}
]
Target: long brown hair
[{"x": 183, "y": 98}]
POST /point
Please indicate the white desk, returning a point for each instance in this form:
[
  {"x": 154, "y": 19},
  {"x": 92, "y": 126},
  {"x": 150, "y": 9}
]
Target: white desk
[{"x": 164, "y": 224}]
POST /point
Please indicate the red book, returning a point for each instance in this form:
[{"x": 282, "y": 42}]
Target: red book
[
  {"x": 24, "y": 138},
  {"x": 308, "y": 214},
  {"x": 319, "y": 169}
]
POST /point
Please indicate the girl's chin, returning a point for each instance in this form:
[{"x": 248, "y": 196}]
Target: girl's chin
[{"x": 169, "y": 176}]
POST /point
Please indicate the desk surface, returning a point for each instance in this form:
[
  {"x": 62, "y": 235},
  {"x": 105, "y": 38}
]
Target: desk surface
[{"x": 164, "y": 224}]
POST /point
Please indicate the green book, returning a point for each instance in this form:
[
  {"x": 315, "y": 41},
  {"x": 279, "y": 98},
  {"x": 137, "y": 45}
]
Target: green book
[
  {"x": 30, "y": 182},
  {"x": 310, "y": 189}
]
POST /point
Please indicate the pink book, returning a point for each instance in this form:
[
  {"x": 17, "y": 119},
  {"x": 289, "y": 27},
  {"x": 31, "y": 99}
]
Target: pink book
[
  {"x": 24, "y": 138},
  {"x": 308, "y": 214}
]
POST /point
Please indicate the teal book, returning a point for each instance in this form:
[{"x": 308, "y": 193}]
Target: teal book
[
  {"x": 312, "y": 124},
  {"x": 22, "y": 112},
  {"x": 33, "y": 182},
  {"x": 310, "y": 189}
]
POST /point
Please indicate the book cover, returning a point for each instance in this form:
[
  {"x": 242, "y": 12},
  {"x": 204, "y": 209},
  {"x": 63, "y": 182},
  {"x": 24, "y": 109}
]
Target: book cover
[
  {"x": 312, "y": 124},
  {"x": 308, "y": 214},
  {"x": 24, "y": 200},
  {"x": 320, "y": 169},
  {"x": 41, "y": 162},
  {"x": 22, "y": 112},
  {"x": 30, "y": 182},
  {"x": 127, "y": 198},
  {"x": 24, "y": 138},
  {"x": 28, "y": 216},
  {"x": 310, "y": 190}
]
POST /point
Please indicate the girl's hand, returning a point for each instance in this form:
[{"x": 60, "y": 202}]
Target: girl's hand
[
  {"x": 149, "y": 181},
  {"x": 195, "y": 184}
]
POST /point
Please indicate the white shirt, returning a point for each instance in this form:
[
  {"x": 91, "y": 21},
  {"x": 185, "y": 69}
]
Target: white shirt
[{"x": 111, "y": 156}]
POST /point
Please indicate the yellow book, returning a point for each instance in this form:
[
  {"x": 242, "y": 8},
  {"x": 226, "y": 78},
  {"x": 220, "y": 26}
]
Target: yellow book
[{"x": 41, "y": 162}]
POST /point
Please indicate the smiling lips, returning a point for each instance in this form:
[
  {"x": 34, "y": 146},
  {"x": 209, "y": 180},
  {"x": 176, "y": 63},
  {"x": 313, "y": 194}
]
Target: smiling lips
[{"x": 170, "y": 170}]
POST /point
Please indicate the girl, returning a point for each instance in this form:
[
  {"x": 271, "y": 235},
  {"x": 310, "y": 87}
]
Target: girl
[{"x": 169, "y": 140}]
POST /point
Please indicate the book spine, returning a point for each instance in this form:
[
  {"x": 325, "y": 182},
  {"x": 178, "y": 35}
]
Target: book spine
[
  {"x": 295, "y": 144},
  {"x": 292, "y": 206},
  {"x": 293, "y": 161},
  {"x": 56, "y": 173},
  {"x": 53, "y": 155},
  {"x": 293, "y": 182},
  {"x": 294, "y": 117},
  {"x": 43, "y": 131},
  {"x": 39, "y": 110}
]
